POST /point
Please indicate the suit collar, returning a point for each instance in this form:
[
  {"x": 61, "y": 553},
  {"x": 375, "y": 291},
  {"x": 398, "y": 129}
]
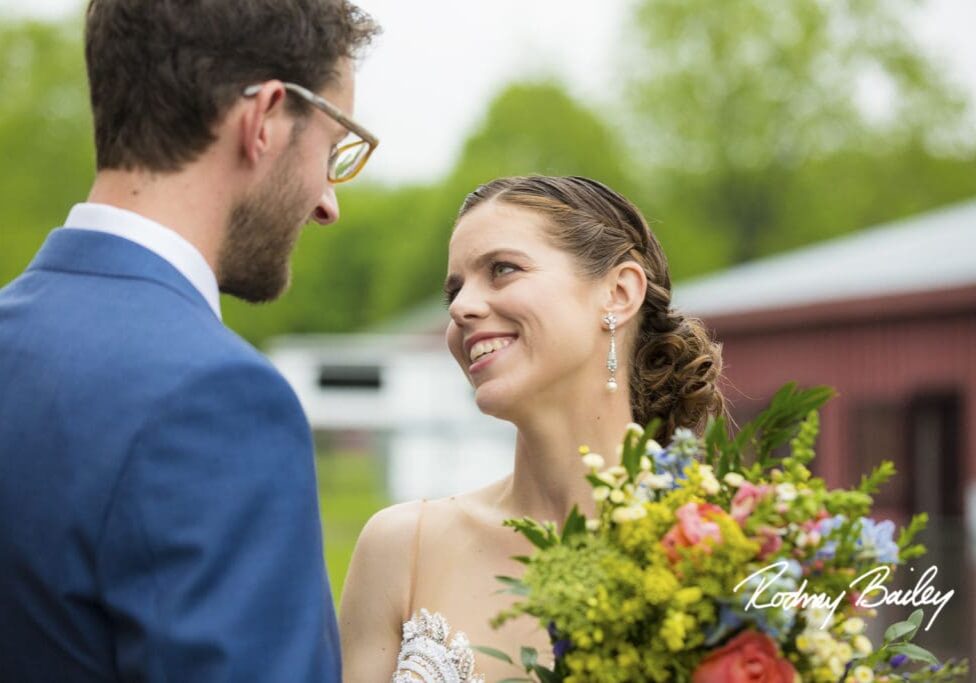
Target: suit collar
[{"x": 89, "y": 252}]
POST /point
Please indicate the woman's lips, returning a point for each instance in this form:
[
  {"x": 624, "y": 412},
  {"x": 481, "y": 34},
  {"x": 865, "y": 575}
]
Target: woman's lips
[{"x": 484, "y": 362}]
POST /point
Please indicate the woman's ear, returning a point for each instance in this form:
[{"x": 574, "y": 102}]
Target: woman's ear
[{"x": 626, "y": 286}]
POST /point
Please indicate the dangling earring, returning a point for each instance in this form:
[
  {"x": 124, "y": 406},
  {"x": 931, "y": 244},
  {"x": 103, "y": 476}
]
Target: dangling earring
[{"x": 611, "y": 321}]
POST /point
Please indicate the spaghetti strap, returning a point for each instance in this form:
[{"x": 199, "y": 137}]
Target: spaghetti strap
[{"x": 414, "y": 560}]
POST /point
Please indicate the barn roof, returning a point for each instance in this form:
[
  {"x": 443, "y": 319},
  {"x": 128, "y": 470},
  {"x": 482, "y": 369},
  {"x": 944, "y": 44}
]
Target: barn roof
[{"x": 932, "y": 251}]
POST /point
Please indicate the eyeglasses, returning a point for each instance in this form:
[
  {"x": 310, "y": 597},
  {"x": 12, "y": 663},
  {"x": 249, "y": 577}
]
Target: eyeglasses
[{"x": 348, "y": 159}]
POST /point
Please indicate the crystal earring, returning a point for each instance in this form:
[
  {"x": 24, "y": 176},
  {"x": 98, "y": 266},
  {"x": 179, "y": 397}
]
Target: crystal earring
[{"x": 611, "y": 321}]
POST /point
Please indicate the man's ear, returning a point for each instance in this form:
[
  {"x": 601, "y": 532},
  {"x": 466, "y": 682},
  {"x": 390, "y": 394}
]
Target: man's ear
[
  {"x": 626, "y": 286},
  {"x": 262, "y": 121}
]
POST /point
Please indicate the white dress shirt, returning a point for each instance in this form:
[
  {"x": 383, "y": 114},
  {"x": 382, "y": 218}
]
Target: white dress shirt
[{"x": 162, "y": 241}]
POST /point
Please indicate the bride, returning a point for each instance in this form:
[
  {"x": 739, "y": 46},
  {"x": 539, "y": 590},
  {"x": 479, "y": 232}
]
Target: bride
[{"x": 550, "y": 280}]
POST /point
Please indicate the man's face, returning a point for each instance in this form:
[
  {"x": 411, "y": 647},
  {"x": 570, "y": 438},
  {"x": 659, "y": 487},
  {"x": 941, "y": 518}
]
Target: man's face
[{"x": 255, "y": 261}]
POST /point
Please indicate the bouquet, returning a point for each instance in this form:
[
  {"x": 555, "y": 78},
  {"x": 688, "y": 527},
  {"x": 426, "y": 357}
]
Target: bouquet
[{"x": 721, "y": 559}]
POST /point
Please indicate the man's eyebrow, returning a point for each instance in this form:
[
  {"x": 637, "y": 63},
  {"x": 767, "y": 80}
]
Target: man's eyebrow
[{"x": 454, "y": 281}]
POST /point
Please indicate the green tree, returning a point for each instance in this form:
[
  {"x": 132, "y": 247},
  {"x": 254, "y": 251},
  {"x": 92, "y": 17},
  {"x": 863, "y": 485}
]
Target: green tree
[
  {"x": 747, "y": 108},
  {"x": 45, "y": 136}
]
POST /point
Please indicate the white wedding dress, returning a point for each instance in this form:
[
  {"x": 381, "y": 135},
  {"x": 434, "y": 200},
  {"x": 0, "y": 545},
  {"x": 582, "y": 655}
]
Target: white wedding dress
[{"x": 429, "y": 654}]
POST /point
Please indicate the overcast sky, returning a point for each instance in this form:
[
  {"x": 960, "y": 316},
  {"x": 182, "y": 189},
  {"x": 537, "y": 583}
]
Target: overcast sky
[{"x": 425, "y": 83}]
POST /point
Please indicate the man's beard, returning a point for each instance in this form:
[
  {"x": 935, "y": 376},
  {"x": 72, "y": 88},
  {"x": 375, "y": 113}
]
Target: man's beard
[{"x": 254, "y": 263}]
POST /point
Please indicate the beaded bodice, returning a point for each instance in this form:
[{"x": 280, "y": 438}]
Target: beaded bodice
[{"x": 428, "y": 654}]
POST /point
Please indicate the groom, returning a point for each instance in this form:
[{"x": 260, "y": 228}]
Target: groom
[{"x": 158, "y": 512}]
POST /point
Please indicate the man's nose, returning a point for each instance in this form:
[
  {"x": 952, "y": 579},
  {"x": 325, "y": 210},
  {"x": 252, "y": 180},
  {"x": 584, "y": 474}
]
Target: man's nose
[{"x": 327, "y": 210}]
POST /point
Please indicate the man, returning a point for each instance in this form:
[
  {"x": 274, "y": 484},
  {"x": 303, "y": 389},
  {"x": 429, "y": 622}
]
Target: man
[{"x": 158, "y": 512}]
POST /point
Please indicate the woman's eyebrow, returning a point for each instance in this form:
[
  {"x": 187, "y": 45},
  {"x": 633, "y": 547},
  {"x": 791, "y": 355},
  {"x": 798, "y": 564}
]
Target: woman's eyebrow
[{"x": 454, "y": 280}]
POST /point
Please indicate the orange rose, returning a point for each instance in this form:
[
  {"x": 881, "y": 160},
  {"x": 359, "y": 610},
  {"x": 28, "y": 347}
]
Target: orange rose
[{"x": 750, "y": 657}]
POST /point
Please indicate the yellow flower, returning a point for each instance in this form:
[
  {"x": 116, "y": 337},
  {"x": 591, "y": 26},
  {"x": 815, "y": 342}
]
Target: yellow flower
[{"x": 688, "y": 596}]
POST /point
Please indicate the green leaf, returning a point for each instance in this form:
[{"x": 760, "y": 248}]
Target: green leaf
[
  {"x": 540, "y": 535},
  {"x": 914, "y": 652},
  {"x": 630, "y": 457},
  {"x": 899, "y": 630},
  {"x": 492, "y": 652},
  {"x": 915, "y": 526},
  {"x": 545, "y": 675},
  {"x": 529, "y": 657},
  {"x": 879, "y": 475},
  {"x": 575, "y": 524},
  {"x": 514, "y": 586}
]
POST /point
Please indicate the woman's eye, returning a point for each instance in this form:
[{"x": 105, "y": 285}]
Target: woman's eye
[{"x": 498, "y": 269}]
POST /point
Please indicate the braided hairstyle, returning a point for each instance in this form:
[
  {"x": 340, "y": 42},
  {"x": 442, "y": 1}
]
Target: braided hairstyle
[{"x": 675, "y": 365}]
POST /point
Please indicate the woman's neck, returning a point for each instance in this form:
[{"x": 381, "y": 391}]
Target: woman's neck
[{"x": 549, "y": 476}]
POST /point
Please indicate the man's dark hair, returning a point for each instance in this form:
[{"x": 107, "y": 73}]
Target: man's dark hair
[{"x": 163, "y": 72}]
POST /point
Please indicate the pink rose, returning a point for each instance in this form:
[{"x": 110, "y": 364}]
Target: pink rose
[
  {"x": 746, "y": 499},
  {"x": 695, "y": 524},
  {"x": 770, "y": 541},
  {"x": 750, "y": 657}
]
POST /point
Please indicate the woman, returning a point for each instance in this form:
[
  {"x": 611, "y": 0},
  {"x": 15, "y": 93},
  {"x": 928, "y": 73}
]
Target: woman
[{"x": 559, "y": 299}]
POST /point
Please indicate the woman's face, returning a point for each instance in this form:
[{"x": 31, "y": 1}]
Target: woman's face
[{"x": 525, "y": 326}]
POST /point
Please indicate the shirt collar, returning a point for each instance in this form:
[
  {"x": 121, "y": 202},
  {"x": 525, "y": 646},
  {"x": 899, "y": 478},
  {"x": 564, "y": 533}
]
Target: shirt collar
[{"x": 162, "y": 241}]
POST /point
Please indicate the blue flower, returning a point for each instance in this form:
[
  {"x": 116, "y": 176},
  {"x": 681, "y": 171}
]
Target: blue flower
[
  {"x": 776, "y": 622},
  {"x": 898, "y": 660},
  {"x": 877, "y": 540},
  {"x": 825, "y": 527}
]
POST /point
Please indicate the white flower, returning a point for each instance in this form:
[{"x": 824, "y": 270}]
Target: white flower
[
  {"x": 836, "y": 667},
  {"x": 645, "y": 463},
  {"x": 818, "y": 618},
  {"x": 786, "y": 492},
  {"x": 853, "y": 626},
  {"x": 659, "y": 481},
  {"x": 862, "y": 644},
  {"x": 653, "y": 447},
  {"x": 709, "y": 483},
  {"x": 628, "y": 514},
  {"x": 616, "y": 496},
  {"x": 617, "y": 471},
  {"x": 862, "y": 674},
  {"x": 601, "y": 493},
  {"x": 733, "y": 479},
  {"x": 805, "y": 538},
  {"x": 634, "y": 428},
  {"x": 594, "y": 461},
  {"x": 593, "y": 524}
]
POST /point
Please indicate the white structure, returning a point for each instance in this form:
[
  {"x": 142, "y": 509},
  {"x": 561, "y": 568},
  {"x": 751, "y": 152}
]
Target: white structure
[{"x": 408, "y": 391}]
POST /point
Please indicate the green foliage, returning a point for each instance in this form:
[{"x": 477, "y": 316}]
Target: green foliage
[
  {"x": 747, "y": 113},
  {"x": 350, "y": 492},
  {"x": 45, "y": 135},
  {"x": 744, "y": 141}
]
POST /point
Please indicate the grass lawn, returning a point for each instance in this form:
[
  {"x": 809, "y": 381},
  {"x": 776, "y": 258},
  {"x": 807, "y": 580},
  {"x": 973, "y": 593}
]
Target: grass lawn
[{"x": 350, "y": 491}]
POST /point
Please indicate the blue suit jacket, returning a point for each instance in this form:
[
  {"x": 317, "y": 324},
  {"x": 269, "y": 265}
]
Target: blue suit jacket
[{"x": 158, "y": 511}]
